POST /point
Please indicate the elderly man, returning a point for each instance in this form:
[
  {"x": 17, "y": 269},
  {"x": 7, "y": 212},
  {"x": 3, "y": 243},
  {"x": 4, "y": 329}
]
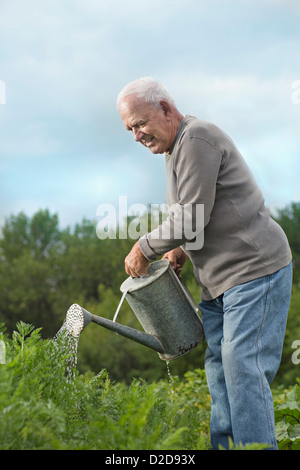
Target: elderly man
[{"x": 244, "y": 266}]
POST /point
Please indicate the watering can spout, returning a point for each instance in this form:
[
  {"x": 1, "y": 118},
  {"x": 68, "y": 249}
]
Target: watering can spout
[{"x": 78, "y": 318}]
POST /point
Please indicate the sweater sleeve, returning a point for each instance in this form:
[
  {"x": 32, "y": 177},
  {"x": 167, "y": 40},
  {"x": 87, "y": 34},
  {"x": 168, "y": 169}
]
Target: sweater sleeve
[{"x": 196, "y": 166}]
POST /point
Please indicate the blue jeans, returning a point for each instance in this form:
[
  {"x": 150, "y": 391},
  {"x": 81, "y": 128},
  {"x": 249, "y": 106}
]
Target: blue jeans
[{"x": 244, "y": 329}]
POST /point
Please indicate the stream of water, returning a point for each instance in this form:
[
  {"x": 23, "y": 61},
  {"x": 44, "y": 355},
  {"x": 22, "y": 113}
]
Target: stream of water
[
  {"x": 68, "y": 343},
  {"x": 170, "y": 378}
]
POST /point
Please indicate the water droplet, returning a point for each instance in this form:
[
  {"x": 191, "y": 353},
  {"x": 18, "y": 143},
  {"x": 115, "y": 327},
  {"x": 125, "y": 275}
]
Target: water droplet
[{"x": 170, "y": 379}]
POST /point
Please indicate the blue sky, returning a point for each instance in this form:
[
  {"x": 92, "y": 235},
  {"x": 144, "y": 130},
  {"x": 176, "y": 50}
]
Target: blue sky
[{"x": 63, "y": 145}]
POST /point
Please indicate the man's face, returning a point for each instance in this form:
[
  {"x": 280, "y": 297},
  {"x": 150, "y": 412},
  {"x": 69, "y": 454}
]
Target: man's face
[{"x": 151, "y": 127}]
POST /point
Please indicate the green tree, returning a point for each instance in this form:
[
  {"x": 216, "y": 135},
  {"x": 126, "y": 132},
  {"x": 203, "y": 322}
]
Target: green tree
[
  {"x": 44, "y": 269},
  {"x": 29, "y": 249},
  {"x": 289, "y": 219}
]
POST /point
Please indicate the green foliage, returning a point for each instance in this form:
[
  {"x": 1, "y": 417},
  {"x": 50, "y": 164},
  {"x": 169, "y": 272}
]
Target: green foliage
[
  {"x": 254, "y": 446},
  {"x": 43, "y": 406},
  {"x": 289, "y": 371},
  {"x": 287, "y": 415},
  {"x": 44, "y": 270},
  {"x": 289, "y": 219},
  {"x": 30, "y": 391}
]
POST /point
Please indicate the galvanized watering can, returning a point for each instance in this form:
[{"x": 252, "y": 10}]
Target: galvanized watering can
[{"x": 164, "y": 307}]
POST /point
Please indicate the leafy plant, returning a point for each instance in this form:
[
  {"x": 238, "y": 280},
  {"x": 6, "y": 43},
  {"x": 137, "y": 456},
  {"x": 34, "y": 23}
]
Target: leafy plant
[
  {"x": 46, "y": 404},
  {"x": 287, "y": 416},
  {"x": 41, "y": 408}
]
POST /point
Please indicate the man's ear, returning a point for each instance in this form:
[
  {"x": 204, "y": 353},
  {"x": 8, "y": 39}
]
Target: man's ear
[{"x": 165, "y": 107}]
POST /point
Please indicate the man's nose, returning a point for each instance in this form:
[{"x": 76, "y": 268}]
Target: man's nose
[{"x": 137, "y": 134}]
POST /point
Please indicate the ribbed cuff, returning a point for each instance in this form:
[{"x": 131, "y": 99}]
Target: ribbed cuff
[{"x": 147, "y": 251}]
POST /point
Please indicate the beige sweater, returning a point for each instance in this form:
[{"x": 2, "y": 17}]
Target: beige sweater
[{"x": 241, "y": 241}]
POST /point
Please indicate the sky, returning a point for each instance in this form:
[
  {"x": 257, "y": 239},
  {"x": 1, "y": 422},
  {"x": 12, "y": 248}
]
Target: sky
[{"x": 63, "y": 146}]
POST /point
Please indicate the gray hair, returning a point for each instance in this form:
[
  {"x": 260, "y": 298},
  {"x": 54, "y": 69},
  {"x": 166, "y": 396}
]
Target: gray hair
[{"x": 148, "y": 89}]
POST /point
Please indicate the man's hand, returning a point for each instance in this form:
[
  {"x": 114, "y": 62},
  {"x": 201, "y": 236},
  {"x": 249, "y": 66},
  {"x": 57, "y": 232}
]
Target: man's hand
[
  {"x": 177, "y": 258},
  {"x": 136, "y": 264}
]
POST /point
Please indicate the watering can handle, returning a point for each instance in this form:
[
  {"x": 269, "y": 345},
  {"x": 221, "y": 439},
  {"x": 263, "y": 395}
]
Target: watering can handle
[
  {"x": 119, "y": 306},
  {"x": 187, "y": 292}
]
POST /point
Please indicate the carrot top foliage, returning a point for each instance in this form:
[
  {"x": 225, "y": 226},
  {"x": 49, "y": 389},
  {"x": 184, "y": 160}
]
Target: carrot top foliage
[{"x": 44, "y": 406}]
